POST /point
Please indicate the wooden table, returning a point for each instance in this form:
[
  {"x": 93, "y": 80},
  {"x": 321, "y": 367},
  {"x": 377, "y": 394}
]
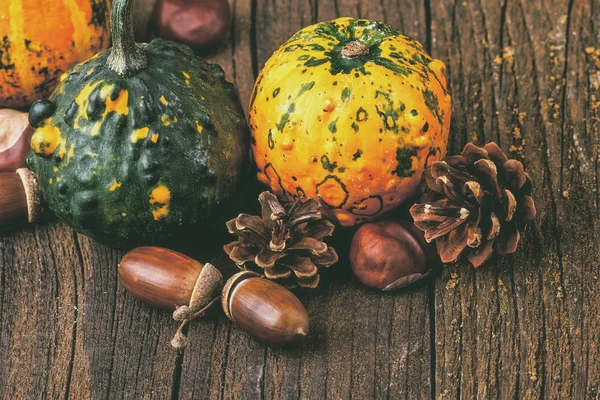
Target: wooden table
[{"x": 523, "y": 73}]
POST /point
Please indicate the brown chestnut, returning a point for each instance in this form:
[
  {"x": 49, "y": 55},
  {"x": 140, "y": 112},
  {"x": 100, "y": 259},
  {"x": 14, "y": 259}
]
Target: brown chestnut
[
  {"x": 388, "y": 255},
  {"x": 264, "y": 309},
  {"x": 167, "y": 279},
  {"x": 15, "y": 135},
  {"x": 197, "y": 23}
]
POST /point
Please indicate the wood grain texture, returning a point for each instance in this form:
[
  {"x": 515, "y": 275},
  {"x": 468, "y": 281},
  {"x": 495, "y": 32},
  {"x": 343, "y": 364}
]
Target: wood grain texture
[
  {"x": 525, "y": 74},
  {"x": 519, "y": 327}
]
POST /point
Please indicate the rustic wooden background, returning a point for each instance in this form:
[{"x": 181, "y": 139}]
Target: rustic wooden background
[{"x": 523, "y": 73}]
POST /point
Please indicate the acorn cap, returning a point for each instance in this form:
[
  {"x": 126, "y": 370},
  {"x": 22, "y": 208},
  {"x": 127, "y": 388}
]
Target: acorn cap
[{"x": 32, "y": 193}]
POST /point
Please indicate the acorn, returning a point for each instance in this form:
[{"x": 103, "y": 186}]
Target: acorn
[
  {"x": 264, "y": 309},
  {"x": 173, "y": 281},
  {"x": 165, "y": 278},
  {"x": 20, "y": 198}
]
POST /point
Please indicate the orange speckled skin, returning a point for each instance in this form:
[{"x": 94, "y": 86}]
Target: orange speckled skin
[
  {"x": 355, "y": 132},
  {"x": 40, "y": 40}
]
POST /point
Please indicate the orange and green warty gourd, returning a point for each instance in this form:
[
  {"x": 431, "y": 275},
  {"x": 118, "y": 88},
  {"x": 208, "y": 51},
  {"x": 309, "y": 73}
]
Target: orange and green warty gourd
[
  {"x": 140, "y": 141},
  {"x": 349, "y": 111},
  {"x": 40, "y": 40}
]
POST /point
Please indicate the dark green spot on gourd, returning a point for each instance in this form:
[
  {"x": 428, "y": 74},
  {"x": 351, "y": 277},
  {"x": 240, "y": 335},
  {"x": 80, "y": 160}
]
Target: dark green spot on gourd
[
  {"x": 315, "y": 62},
  {"x": 306, "y": 87},
  {"x": 270, "y": 141},
  {"x": 421, "y": 58},
  {"x": 316, "y": 47},
  {"x": 414, "y": 112},
  {"x": 346, "y": 94},
  {"x": 357, "y": 155},
  {"x": 404, "y": 157},
  {"x": 332, "y": 126},
  {"x": 426, "y": 127},
  {"x": 385, "y": 95},
  {"x": 431, "y": 101},
  {"x": 293, "y": 47},
  {"x": 362, "y": 115},
  {"x": 276, "y": 92},
  {"x": 388, "y": 116},
  {"x": 354, "y": 126},
  {"x": 327, "y": 165},
  {"x": 286, "y": 116}
]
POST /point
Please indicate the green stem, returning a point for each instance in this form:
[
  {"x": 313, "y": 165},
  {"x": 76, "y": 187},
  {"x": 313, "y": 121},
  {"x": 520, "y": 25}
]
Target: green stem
[{"x": 126, "y": 57}]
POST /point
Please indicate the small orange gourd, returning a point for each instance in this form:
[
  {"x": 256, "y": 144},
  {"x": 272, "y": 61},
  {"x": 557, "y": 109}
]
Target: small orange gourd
[
  {"x": 40, "y": 40},
  {"x": 349, "y": 111}
]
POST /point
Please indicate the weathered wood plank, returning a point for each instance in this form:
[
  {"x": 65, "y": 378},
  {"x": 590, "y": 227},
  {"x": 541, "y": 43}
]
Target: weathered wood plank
[
  {"x": 524, "y": 74},
  {"x": 124, "y": 343},
  {"x": 514, "y": 328},
  {"x": 475, "y": 316},
  {"x": 578, "y": 213},
  {"x": 68, "y": 331},
  {"x": 38, "y": 316}
]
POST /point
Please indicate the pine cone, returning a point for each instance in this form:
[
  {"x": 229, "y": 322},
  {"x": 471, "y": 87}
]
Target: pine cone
[
  {"x": 476, "y": 203},
  {"x": 286, "y": 242}
]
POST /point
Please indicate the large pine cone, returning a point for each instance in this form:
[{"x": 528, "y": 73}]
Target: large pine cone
[{"x": 476, "y": 203}]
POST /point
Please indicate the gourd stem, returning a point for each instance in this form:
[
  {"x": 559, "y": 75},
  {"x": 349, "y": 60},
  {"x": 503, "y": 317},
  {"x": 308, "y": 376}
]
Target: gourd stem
[
  {"x": 126, "y": 56},
  {"x": 354, "y": 49}
]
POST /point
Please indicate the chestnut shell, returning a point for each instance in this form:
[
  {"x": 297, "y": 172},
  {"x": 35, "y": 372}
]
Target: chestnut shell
[{"x": 387, "y": 255}]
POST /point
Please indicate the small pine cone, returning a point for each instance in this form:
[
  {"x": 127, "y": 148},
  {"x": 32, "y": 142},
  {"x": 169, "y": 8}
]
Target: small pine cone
[
  {"x": 286, "y": 242},
  {"x": 475, "y": 203}
]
